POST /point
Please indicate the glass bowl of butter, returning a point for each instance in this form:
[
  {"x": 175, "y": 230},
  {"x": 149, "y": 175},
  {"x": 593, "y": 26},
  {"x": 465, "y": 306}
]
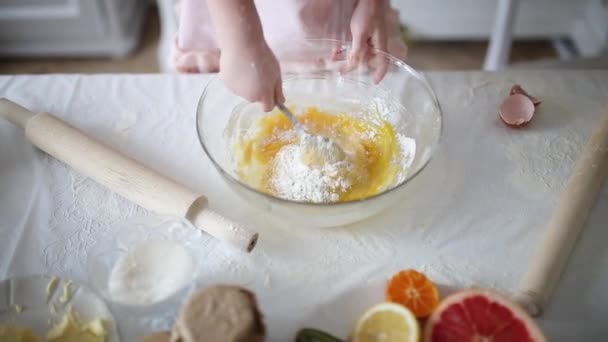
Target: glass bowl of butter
[
  {"x": 51, "y": 308},
  {"x": 382, "y": 113}
]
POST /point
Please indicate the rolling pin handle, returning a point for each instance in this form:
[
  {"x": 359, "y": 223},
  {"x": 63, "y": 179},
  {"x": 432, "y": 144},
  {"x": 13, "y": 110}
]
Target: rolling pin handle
[
  {"x": 530, "y": 302},
  {"x": 14, "y": 113},
  {"x": 220, "y": 227}
]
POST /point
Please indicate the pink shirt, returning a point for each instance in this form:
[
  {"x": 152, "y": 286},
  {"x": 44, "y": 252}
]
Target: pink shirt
[{"x": 283, "y": 22}]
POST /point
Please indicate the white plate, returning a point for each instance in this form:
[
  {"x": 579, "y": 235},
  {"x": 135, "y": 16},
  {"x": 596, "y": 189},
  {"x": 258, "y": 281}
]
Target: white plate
[{"x": 38, "y": 314}]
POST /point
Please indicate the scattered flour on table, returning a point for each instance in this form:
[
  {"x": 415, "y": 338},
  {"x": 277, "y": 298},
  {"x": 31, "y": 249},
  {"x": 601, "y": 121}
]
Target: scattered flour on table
[
  {"x": 92, "y": 201},
  {"x": 81, "y": 212},
  {"x": 543, "y": 163},
  {"x": 451, "y": 273}
]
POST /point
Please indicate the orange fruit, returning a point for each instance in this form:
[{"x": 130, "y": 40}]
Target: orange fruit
[{"x": 413, "y": 290}]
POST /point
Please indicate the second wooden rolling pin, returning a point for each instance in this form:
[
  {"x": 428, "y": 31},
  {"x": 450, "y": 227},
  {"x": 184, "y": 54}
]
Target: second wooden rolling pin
[
  {"x": 545, "y": 269},
  {"x": 125, "y": 175}
]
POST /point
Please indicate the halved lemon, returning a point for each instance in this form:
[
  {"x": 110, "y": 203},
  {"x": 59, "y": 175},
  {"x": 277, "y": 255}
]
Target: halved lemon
[{"x": 387, "y": 322}]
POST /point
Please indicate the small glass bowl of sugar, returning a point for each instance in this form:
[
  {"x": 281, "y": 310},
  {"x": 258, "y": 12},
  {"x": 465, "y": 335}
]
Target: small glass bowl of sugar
[{"x": 146, "y": 266}]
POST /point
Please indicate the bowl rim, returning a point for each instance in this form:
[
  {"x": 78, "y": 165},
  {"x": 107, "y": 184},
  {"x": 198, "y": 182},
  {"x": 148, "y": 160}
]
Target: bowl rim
[{"x": 341, "y": 45}]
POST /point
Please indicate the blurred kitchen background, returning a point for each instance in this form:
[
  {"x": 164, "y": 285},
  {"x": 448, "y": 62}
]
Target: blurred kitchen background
[{"x": 133, "y": 36}]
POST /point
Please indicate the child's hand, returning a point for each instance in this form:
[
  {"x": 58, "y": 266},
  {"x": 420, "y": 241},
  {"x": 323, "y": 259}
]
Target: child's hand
[
  {"x": 247, "y": 65},
  {"x": 253, "y": 73},
  {"x": 368, "y": 28}
]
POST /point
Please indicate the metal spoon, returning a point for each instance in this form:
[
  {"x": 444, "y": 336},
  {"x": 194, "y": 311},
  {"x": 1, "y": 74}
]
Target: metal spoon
[{"x": 317, "y": 149}]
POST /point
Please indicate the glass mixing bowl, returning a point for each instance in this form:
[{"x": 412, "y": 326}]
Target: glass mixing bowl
[{"x": 313, "y": 75}]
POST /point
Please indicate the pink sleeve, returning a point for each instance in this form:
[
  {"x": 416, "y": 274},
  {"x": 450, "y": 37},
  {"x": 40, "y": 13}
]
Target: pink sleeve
[
  {"x": 285, "y": 22},
  {"x": 195, "y": 27},
  {"x": 195, "y": 49}
]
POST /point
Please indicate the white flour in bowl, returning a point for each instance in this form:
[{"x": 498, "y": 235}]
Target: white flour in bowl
[{"x": 295, "y": 180}]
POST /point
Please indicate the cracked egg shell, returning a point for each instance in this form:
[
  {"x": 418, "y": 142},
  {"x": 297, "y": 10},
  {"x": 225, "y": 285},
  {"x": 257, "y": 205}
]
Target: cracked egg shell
[{"x": 516, "y": 110}]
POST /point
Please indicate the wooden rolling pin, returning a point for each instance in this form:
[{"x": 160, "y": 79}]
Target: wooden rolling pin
[
  {"x": 124, "y": 175},
  {"x": 545, "y": 269}
]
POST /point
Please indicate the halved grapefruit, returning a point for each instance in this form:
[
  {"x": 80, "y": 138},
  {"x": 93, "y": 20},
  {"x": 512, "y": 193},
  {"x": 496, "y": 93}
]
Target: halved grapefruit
[{"x": 480, "y": 315}]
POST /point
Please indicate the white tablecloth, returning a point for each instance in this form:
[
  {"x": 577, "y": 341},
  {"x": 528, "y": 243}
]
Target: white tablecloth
[{"x": 472, "y": 218}]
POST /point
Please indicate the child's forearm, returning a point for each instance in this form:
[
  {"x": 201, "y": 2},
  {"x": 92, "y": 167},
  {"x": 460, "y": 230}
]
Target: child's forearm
[{"x": 236, "y": 22}]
